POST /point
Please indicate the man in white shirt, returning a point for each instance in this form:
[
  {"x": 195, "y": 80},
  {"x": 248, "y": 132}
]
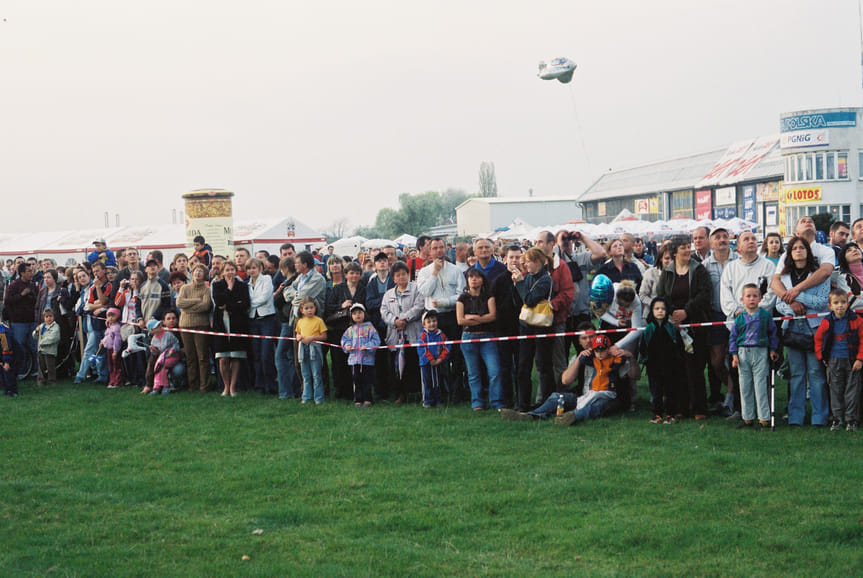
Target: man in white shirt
[{"x": 750, "y": 267}]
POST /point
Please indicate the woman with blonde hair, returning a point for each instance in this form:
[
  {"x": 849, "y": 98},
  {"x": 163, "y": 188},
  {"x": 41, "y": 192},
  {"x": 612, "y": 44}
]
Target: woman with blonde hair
[{"x": 533, "y": 284}]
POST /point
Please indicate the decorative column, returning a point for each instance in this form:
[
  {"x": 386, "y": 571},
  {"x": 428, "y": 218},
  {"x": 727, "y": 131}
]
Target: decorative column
[{"x": 209, "y": 212}]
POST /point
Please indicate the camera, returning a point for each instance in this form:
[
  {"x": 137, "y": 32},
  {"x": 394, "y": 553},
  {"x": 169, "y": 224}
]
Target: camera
[{"x": 573, "y": 236}]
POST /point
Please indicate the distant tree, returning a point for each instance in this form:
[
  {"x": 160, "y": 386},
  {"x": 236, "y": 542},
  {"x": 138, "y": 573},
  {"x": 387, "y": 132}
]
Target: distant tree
[
  {"x": 336, "y": 230},
  {"x": 416, "y": 214},
  {"x": 367, "y": 232},
  {"x": 487, "y": 180},
  {"x": 822, "y": 222}
]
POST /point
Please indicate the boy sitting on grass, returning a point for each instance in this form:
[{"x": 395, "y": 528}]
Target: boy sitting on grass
[
  {"x": 752, "y": 334},
  {"x": 839, "y": 346},
  {"x": 605, "y": 370}
]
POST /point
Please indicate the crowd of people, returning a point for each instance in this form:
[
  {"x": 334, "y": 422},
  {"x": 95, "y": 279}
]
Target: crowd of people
[{"x": 464, "y": 323}]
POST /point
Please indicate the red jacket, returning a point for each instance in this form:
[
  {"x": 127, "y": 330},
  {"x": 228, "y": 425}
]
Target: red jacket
[
  {"x": 824, "y": 337},
  {"x": 563, "y": 291}
]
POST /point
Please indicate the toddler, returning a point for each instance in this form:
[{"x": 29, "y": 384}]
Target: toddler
[
  {"x": 311, "y": 328},
  {"x": 431, "y": 353},
  {"x": 47, "y": 335},
  {"x": 360, "y": 342},
  {"x": 112, "y": 343}
]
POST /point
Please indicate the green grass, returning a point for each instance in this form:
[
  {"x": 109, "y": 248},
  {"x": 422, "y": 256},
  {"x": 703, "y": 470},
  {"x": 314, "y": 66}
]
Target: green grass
[{"x": 99, "y": 482}]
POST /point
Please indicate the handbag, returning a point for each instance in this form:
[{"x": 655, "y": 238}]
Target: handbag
[
  {"x": 798, "y": 335},
  {"x": 339, "y": 315},
  {"x": 541, "y": 314}
]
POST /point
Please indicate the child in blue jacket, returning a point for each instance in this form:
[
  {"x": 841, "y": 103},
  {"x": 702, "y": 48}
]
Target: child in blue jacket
[
  {"x": 431, "y": 353},
  {"x": 360, "y": 342}
]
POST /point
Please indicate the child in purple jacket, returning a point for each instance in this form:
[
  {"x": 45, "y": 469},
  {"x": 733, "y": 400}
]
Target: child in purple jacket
[
  {"x": 360, "y": 342},
  {"x": 112, "y": 342}
]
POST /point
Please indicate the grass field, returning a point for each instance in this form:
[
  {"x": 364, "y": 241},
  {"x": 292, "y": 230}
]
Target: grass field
[{"x": 99, "y": 482}]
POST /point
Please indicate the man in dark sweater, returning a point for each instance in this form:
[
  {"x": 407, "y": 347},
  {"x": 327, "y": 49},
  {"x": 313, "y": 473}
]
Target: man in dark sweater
[{"x": 21, "y": 310}]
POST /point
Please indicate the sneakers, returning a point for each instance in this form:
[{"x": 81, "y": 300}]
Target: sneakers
[
  {"x": 669, "y": 419},
  {"x": 745, "y": 424},
  {"x": 656, "y": 419},
  {"x": 835, "y": 424},
  {"x": 852, "y": 426},
  {"x": 700, "y": 417},
  {"x": 734, "y": 416},
  {"x": 512, "y": 415},
  {"x": 568, "y": 418}
]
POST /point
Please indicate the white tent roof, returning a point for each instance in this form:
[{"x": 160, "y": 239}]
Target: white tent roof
[{"x": 260, "y": 231}]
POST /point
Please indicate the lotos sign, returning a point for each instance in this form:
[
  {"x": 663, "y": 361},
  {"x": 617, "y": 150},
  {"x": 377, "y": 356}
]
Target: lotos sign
[{"x": 803, "y": 195}]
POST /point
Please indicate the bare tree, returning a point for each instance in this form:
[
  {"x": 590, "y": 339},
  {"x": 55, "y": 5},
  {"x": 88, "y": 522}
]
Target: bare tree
[
  {"x": 487, "y": 180},
  {"x": 337, "y": 230}
]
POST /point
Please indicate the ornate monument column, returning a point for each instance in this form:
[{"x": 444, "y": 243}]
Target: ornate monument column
[{"x": 209, "y": 212}]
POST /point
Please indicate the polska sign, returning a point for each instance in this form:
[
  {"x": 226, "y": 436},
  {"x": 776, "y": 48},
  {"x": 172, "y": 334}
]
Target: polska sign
[{"x": 803, "y": 195}]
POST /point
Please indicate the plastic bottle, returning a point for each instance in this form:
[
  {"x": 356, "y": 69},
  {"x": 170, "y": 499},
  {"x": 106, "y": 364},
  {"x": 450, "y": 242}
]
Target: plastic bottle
[{"x": 560, "y": 404}]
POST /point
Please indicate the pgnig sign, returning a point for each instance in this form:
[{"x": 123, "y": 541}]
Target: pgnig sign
[
  {"x": 804, "y": 138},
  {"x": 803, "y": 195}
]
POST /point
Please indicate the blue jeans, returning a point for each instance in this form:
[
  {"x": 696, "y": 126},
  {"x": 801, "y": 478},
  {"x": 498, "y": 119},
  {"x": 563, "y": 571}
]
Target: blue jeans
[
  {"x": 311, "y": 362},
  {"x": 262, "y": 353},
  {"x": 803, "y": 364},
  {"x": 23, "y": 333},
  {"x": 94, "y": 336},
  {"x": 475, "y": 355},
  {"x": 596, "y": 408},
  {"x": 286, "y": 373}
]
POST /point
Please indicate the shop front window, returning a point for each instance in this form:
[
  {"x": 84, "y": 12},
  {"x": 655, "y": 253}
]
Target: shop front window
[{"x": 819, "y": 166}]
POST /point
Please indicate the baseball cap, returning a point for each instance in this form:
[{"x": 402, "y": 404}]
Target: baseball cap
[
  {"x": 600, "y": 342},
  {"x": 100, "y": 240},
  {"x": 357, "y": 306}
]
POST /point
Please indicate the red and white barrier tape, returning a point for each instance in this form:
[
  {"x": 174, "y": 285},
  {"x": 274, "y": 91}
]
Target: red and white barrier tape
[{"x": 490, "y": 339}]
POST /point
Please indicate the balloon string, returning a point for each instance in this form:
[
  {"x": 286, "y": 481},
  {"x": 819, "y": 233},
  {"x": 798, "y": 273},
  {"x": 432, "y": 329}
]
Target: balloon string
[{"x": 580, "y": 132}]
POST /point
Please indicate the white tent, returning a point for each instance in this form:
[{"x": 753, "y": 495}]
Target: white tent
[
  {"x": 377, "y": 244},
  {"x": 406, "y": 240},
  {"x": 63, "y": 246}
]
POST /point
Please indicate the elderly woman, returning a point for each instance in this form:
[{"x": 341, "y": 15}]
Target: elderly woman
[
  {"x": 262, "y": 321},
  {"x": 195, "y": 304},
  {"x": 803, "y": 365},
  {"x": 687, "y": 287},
  {"x": 231, "y": 315}
]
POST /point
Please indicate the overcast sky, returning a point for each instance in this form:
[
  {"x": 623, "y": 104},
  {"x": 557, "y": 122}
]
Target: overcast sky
[{"x": 324, "y": 110}]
